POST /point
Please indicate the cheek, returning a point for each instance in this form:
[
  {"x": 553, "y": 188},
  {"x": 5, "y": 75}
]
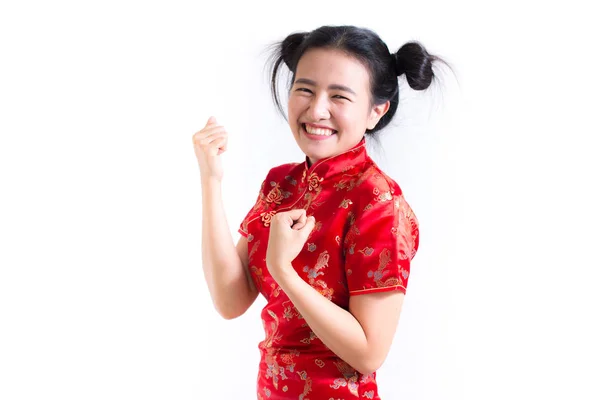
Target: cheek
[
  {"x": 349, "y": 117},
  {"x": 295, "y": 106}
]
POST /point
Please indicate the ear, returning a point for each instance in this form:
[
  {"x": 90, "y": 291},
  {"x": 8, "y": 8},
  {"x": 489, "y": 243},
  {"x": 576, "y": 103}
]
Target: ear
[{"x": 376, "y": 113}]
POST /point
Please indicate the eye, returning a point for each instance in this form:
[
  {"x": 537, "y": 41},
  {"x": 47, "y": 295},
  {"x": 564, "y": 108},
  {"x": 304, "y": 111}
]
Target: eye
[
  {"x": 337, "y": 96},
  {"x": 305, "y": 90}
]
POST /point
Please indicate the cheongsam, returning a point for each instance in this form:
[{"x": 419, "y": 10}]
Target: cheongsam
[{"x": 364, "y": 239}]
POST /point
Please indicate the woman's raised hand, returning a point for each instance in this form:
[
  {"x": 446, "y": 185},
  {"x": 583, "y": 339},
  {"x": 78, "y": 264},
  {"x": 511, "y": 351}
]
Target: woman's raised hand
[{"x": 209, "y": 144}]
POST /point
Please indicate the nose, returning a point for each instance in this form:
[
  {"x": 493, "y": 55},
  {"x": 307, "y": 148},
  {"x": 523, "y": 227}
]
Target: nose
[{"x": 319, "y": 108}]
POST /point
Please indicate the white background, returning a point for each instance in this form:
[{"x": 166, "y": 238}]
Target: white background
[{"x": 101, "y": 288}]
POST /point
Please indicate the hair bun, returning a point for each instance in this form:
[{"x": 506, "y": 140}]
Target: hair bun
[
  {"x": 289, "y": 47},
  {"x": 413, "y": 60},
  {"x": 398, "y": 64}
]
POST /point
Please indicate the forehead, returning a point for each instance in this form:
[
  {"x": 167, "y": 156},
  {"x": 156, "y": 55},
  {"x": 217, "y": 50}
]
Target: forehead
[{"x": 329, "y": 66}]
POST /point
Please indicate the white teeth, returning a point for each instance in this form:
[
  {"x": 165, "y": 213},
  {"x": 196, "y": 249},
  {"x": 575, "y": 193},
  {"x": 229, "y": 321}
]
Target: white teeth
[{"x": 318, "y": 131}]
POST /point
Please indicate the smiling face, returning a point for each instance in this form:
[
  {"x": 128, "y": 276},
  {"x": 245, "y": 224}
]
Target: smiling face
[{"x": 329, "y": 107}]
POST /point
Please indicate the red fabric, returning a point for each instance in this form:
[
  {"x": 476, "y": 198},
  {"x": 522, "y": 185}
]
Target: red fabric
[{"x": 365, "y": 237}]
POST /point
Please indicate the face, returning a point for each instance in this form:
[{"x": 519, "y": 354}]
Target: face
[{"x": 329, "y": 107}]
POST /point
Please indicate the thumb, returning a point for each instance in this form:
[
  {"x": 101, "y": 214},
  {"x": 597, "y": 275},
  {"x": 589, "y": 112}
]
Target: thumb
[
  {"x": 296, "y": 214},
  {"x": 309, "y": 226},
  {"x": 211, "y": 121}
]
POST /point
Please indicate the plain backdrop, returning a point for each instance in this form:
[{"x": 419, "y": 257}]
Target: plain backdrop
[{"x": 102, "y": 293}]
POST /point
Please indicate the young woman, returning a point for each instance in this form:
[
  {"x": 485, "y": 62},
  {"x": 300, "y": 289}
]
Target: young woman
[{"x": 330, "y": 240}]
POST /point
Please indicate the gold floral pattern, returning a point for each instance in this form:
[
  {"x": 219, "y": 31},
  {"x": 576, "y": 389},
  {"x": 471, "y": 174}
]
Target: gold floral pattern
[
  {"x": 266, "y": 217},
  {"x": 275, "y": 195},
  {"x": 364, "y": 240},
  {"x": 314, "y": 181},
  {"x": 345, "y": 203}
]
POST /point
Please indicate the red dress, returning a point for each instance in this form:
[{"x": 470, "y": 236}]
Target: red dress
[{"x": 365, "y": 237}]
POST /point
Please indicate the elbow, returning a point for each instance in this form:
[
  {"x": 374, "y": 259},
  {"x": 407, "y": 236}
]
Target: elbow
[
  {"x": 228, "y": 310},
  {"x": 227, "y": 313},
  {"x": 230, "y": 316},
  {"x": 369, "y": 365},
  {"x": 367, "y": 369},
  {"x": 232, "y": 307}
]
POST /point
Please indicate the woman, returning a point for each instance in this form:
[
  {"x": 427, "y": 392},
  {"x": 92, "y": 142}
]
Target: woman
[{"x": 330, "y": 240}]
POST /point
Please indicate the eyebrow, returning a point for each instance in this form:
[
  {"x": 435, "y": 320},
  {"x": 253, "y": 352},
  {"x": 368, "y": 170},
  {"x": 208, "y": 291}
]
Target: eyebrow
[{"x": 331, "y": 87}]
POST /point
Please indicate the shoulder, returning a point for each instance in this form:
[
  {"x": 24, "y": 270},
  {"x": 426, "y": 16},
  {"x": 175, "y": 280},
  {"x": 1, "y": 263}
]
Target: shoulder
[
  {"x": 376, "y": 190},
  {"x": 277, "y": 176},
  {"x": 380, "y": 198},
  {"x": 281, "y": 171},
  {"x": 374, "y": 184}
]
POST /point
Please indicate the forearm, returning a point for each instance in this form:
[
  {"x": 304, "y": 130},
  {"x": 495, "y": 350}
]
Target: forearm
[
  {"x": 223, "y": 269},
  {"x": 334, "y": 326}
]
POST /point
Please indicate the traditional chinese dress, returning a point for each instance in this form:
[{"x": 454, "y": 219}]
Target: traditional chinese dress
[{"x": 364, "y": 239}]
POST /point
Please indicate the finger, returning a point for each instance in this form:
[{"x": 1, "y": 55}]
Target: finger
[
  {"x": 285, "y": 218},
  {"x": 211, "y": 121},
  {"x": 309, "y": 226},
  {"x": 203, "y": 134},
  {"x": 300, "y": 222},
  {"x": 221, "y": 145},
  {"x": 296, "y": 214},
  {"x": 209, "y": 131},
  {"x": 213, "y": 149},
  {"x": 206, "y": 141}
]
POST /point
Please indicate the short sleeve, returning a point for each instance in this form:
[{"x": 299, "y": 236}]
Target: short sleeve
[
  {"x": 258, "y": 205},
  {"x": 381, "y": 241}
]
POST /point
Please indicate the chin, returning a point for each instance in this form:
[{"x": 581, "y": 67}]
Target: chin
[{"x": 317, "y": 153}]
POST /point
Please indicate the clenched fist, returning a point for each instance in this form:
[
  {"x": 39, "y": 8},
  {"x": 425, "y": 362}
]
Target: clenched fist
[
  {"x": 209, "y": 144},
  {"x": 287, "y": 236}
]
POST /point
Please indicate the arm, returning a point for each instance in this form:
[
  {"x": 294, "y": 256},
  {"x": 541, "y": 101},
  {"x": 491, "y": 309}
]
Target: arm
[
  {"x": 363, "y": 336},
  {"x": 224, "y": 264}
]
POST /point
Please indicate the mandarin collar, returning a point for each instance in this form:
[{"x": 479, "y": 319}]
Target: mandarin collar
[{"x": 340, "y": 163}]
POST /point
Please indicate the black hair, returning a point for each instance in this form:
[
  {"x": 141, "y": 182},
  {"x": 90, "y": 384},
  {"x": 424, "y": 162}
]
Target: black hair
[{"x": 366, "y": 46}]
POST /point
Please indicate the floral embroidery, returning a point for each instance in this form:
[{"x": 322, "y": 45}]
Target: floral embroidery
[
  {"x": 345, "y": 203},
  {"x": 347, "y": 184},
  {"x": 314, "y": 181},
  {"x": 307, "y": 385},
  {"x": 313, "y": 273},
  {"x": 271, "y": 330},
  {"x": 370, "y": 394},
  {"x": 316, "y": 229},
  {"x": 290, "y": 312},
  {"x": 288, "y": 359},
  {"x": 266, "y": 217},
  {"x": 258, "y": 277},
  {"x": 363, "y": 241},
  {"x": 367, "y": 251},
  {"x": 275, "y": 289},
  {"x": 291, "y": 180},
  {"x": 310, "y": 338},
  {"x": 274, "y": 195},
  {"x": 386, "y": 196},
  {"x": 350, "y": 378},
  {"x": 255, "y": 247},
  {"x": 384, "y": 260}
]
